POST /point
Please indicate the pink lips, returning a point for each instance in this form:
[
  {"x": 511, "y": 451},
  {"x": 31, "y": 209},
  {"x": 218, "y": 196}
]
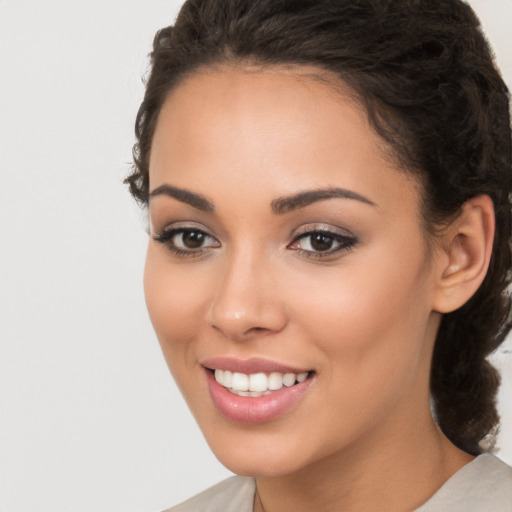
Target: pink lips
[
  {"x": 253, "y": 409},
  {"x": 253, "y": 365}
]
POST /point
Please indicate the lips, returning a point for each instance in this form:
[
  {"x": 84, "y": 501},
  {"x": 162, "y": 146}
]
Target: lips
[
  {"x": 255, "y": 390},
  {"x": 254, "y": 365}
]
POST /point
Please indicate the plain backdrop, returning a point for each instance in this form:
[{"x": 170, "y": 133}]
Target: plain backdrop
[{"x": 90, "y": 419}]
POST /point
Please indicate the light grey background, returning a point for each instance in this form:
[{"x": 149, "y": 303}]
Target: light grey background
[{"x": 90, "y": 419}]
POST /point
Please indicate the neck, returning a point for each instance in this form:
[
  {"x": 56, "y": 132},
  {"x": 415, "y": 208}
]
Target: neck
[{"x": 384, "y": 472}]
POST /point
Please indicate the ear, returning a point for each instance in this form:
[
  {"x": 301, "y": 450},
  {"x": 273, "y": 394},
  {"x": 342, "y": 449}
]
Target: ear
[{"x": 465, "y": 250}]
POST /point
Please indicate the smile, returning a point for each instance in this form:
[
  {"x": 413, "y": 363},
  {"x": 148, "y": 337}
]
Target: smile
[
  {"x": 255, "y": 391},
  {"x": 257, "y": 384}
]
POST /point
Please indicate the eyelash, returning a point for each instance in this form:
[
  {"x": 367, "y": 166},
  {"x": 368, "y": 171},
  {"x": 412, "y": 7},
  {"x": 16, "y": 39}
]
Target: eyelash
[
  {"x": 345, "y": 242},
  {"x": 166, "y": 236}
]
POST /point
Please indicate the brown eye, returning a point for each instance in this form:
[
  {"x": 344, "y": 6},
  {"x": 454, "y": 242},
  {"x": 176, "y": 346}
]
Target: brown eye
[
  {"x": 192, "y": 239},
  {"x": 321, "y": 242},
  {"x": 187, "y": 241}
]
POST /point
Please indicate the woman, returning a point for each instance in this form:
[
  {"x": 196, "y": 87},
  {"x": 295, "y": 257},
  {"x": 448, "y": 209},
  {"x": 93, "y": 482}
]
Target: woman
[{"x": 328, "y": 188}]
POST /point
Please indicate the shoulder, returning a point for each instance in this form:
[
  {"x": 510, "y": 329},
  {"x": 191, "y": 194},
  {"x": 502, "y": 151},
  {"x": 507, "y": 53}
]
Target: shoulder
[
  {"x": 484, "y": 485},
  {"x": 236, "y": 494}
]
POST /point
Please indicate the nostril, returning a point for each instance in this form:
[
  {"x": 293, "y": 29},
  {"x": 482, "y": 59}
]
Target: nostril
[{"x": 246, "y": 317}]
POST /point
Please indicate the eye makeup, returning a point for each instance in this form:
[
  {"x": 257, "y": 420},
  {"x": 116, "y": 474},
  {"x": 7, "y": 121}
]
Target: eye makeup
[
  {"x": 320, "y": 241},
  {"x": 312, "y": 242},
  {"x": 185, "y": 241}
]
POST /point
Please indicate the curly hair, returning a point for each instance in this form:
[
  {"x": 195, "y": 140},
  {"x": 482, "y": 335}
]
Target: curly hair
[{"x": 425, "y": 74}]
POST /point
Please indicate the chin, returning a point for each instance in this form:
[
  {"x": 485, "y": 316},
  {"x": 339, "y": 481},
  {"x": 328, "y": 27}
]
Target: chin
[
  {"x": 246, "y": 464},
  {"x": 259, "y": 454}
]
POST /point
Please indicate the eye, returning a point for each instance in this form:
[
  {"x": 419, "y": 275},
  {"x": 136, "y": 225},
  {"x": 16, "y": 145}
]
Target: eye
[
  {"x": 321, "y": 243},
  {"x": 186, "y": 241}
]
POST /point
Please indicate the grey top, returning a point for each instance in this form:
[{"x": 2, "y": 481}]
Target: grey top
[{"x": 484, "y": 485}]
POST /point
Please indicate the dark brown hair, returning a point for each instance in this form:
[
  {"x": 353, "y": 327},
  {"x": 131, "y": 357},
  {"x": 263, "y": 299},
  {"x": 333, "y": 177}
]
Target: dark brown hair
[{"x": 424, "y": 72}]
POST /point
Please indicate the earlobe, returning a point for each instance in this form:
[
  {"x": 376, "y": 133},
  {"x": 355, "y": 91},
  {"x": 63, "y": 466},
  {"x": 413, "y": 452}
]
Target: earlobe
[{"x": 466, "y": 248}]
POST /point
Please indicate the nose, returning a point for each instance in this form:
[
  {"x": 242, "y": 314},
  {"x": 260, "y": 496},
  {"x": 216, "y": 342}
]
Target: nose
[{"x": 246, "y": 303}]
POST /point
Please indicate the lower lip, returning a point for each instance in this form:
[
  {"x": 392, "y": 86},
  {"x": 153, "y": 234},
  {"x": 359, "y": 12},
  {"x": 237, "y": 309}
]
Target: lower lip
[{"x": 244, "y": 409}]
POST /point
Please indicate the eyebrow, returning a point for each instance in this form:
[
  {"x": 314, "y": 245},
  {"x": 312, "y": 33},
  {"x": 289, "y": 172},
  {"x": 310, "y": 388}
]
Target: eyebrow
[
  {"x": 279, "y": 206},
  {"x": 197, "y": 201},
  {"x": 302, "y": 199}
]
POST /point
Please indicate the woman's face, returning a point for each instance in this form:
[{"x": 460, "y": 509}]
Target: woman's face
[{"x": 287, "y": 253}]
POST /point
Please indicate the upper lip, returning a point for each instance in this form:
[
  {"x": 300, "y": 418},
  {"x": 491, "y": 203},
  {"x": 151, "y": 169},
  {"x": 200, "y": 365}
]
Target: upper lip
[{"x": 251, "y": 365}]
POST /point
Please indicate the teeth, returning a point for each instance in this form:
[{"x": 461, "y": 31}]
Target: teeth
[
  {"x": 275, "y": 381},
  {"x": 289, "y": 379},
  {"x": 257, "y": 384},
  {"x": 252, "y": 394},
  {"x": 240, "y": 382},
  {"x": 228, "y": 378}
]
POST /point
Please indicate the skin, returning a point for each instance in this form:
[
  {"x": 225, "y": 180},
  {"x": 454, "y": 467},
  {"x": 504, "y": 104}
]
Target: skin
[{"x": 363, "y": 318}]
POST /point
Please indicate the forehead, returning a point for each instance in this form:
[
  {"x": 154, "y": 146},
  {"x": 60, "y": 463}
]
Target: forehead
[
  {"x": 237, "y": 129},
  {"x": 218, "y": 107}
]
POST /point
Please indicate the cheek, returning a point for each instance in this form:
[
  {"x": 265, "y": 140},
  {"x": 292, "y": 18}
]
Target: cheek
[
  {"x": 371, "y": 317},
  {"x": 369, "y": 340},
  {"x": 175, "y": 301}
]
